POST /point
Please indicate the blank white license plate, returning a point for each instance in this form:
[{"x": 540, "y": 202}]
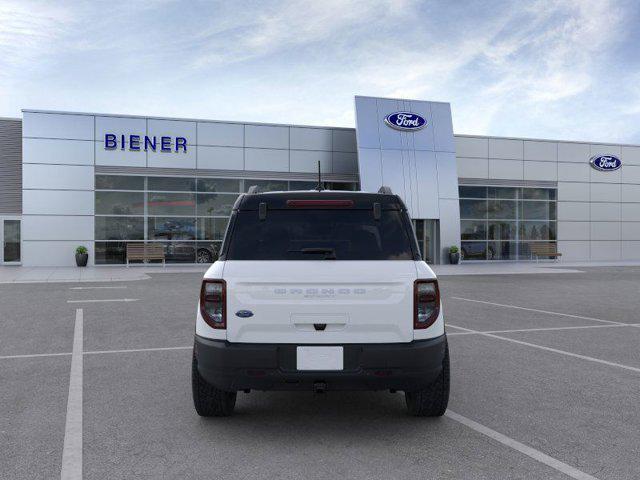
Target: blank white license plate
[{"x": 320, "y": 358}]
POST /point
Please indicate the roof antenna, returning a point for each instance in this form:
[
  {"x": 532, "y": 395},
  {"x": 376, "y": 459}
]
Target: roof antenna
[{"x": 319, "y": 187}]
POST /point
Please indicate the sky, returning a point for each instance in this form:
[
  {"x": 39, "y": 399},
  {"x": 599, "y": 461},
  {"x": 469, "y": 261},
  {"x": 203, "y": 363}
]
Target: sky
[{"x": 540, "y": 69}]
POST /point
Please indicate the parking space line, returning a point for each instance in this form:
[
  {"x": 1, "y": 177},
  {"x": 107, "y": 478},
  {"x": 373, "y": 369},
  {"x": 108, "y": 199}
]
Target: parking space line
[
  {"x": 99, "y": 288},
  {"x": 542, "y": 329},
  {"x": 158, "y": 349},
  {"x": 538, "y": 311},
  {"x": 35, "y": 355},
  {"x": 537, "y": 455},
  {"x": 72, "y": 448},
  {"x": 549, "y": 349},
  {"x": 106, "y": 300}
]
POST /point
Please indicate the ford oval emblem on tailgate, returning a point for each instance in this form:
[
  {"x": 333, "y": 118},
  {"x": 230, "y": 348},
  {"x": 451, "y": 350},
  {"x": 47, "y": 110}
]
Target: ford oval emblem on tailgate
[{"x": 244, "y": 313}]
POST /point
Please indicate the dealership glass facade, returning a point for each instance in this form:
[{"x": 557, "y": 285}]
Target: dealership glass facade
[
  {"x": 501, "y": 223},
  {"x": 187, "y": 215}
]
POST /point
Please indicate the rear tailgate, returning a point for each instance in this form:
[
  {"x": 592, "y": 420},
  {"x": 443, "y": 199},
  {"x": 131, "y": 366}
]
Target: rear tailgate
[{"x": 354, "y": 301}]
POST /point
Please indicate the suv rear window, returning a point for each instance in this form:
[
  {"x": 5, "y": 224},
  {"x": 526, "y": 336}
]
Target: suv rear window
[{"x": 320, "y": 234}]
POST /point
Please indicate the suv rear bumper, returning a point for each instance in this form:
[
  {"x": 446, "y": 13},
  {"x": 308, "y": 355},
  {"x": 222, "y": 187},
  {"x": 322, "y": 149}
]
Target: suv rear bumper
[{"x": 372, "y": 366}]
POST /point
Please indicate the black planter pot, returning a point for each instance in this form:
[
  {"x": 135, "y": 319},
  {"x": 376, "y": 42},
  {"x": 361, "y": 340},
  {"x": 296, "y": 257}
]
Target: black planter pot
[
  {"x": 454, "y": 258},
  {"x": 81, "y": 259}
]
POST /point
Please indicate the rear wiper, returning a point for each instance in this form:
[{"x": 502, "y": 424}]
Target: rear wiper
[{"x": 330, "y": 253}]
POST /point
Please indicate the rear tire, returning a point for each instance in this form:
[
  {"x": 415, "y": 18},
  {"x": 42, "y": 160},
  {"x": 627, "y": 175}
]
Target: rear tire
[
  {"x": 431, "y": 401},
  {"x": 208, "y": 400}
]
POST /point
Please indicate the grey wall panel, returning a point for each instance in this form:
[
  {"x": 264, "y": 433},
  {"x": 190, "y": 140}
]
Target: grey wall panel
[
  {"x": 574, "y": 251},
  {"x": 506, "y": 169},
  {"x": 472, "y": 147},
  {"x": 119, "y": 157},
  {"x": 631, "y": 231},
  {"x": 604, "y": 192},
  {"x": 630, "y": 193},
  {"x": 630, "y": 212},
  {"x": 57, "y": 177},
  {"x": 573, "y": 192},
  {"x": 427, "y": 176},
  {"x": 601, "y": 149},
  {"x": 574, "y": 172},
  {"x": 630, "y": 250},
  {"x": 447, "y": 175},
  {"x": 538, "y": 170},
  {"x": 449, "y": 225},
  {"x": 344, "y": 140},
  {"x": 473, "y": 167},
  {"x": 52, "y": 253},
  {"x": 58, "y": 125},
  {"x": 266, "y": 136},
  {"x": 120, "y": 126},
  {"x": 267, "y": 160},
  {"x": 442, "y": 127},
  {"x": 58, "y": 202},
  {"x": 307, "y": 161},
  {"x": 58, "y": 227},
  {"x": 393, "y": 173},
  {"x": 630, "y": 174},
  {"x": 605, "y": 251},
  {"x": 574, "y": 211},
  {"x": 573, "y": 231},
  {"x": 223, "y": 158},
  {"x": 542, "y": 151},
  {"x": 573, "y": 152},
  {"x": 630, "y": 155},
  {"x": 370, "y": 166},
  {"x": 424, "y": 139},
  {"x": 67, "y": 152},
  {"x": 173, "y": 159},
  {"x": 344, "y": 162},
  {"x": 10, "y": 167},
  {"x": 605, "y": 231},
  {"x": 220, "y": 134},
  {"x": 390, "y": 139},
  {"x": 172, "y": 128},
  {"x": 367, "y": 133},
  {"x": 605, "y": 212},
  {"x": 311, "y": 139},
  {"x": 506, "y": 149}
]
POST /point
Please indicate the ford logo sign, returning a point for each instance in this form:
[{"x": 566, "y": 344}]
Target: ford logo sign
[
  {"x": 405, "y": 121},
  {"x": 244, "y": 313},
  {"x": 605, "y": 163}
]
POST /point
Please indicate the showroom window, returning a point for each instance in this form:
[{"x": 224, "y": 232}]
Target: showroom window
[
  {"x": 187, "y": 216},
  {"x": 501, "y": 223}
]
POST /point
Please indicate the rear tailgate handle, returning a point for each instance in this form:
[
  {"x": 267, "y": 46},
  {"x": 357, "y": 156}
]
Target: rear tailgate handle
[
  {"x": 319, "y": 326},
  {"x": 325, "y": 319}
]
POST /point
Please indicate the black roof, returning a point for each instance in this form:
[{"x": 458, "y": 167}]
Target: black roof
[{"x": 278, "y": 200}]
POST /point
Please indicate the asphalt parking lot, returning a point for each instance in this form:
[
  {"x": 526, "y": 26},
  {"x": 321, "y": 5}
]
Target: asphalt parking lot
[{"x": 545, "y": 385}]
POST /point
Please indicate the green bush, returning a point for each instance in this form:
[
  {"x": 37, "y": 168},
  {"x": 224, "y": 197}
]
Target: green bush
[
  {"x": 81, "y": 249},
  {"x": 453, "y": 249}
]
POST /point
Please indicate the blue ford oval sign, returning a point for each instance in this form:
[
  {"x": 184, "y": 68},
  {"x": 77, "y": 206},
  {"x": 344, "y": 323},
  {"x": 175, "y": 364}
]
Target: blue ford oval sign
[
  {"x": 605, "y": 163},
  {"x": 405, "y": 121},
  {"x": 244, "y": 313}
]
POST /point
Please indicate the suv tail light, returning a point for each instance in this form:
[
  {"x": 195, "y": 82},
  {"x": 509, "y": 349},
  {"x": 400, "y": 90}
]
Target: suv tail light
[
  {"x": 426, "y": 303},
  {"x": 213, "y": 303}
]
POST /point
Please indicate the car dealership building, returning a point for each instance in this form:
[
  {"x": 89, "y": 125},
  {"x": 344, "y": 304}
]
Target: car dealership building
[{"x": 105, "y": 181}]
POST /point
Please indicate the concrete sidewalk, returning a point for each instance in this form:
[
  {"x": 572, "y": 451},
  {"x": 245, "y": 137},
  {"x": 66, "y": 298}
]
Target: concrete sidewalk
[{"x": 19, "y": 274}]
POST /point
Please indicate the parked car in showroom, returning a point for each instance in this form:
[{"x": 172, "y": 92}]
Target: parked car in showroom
[{"x": 318, "y": 291}]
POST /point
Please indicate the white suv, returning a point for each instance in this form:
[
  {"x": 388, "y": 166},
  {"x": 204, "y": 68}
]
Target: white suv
[{"x": 320, "y": 291}]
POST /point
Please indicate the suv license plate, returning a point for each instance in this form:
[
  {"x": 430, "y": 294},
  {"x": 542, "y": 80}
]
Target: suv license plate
[{"x": 320, "y": 358}]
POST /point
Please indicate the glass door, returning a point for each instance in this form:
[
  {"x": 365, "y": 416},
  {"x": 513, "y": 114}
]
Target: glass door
[
  {"x": 427, "y": 235},
  {"x": 10, "y": 238}
]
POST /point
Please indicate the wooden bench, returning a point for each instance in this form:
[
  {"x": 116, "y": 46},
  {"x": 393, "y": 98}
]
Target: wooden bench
[
  {"x": 544, "y": 250},
  {"x": 145, "y": 252}
]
